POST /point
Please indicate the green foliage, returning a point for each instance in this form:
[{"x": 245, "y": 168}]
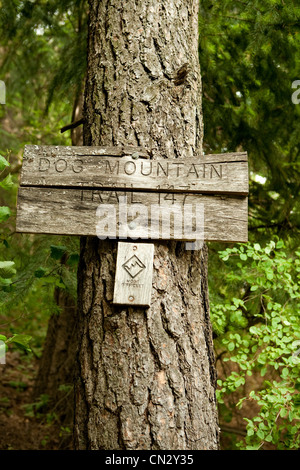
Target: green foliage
[
  {"x": 259, "y": 330},
  {"x": 19, "y": 385},
  {"x": 43, "y": 62},
  {"x": 4, "y": 213},
  {"x": 57, "y": 251},
  {"x": 46, "y": 41},
  {"x": 30, "y": 270},
  {"x": 21, "y": 341},
  {"x": 249, "y": 59},
  {"x": 3, "y": 163},
  {"x": 6, "y": 183},
  {"x": 7, "y": 269},
  {"x": 37, "y": 408}
]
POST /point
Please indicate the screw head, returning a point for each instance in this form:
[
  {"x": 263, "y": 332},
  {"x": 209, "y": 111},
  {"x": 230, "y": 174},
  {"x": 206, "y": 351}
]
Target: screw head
[{"x": 131, "y": 298}]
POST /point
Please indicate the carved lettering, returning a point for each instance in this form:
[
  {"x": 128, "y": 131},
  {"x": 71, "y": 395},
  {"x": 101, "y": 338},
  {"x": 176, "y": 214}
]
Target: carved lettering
[
  {"x": 112, "y": 197},
  {"x": 60, "y": 165},
  {"x": 130, "y": 168},
  {"x": 85, "y": 195},
  {"x": 78, "y": 166},
  {"x": 113, "y": 168},
  {"x": 97, "y": 196},
  {"x": 178, "y": 167},
  {"x": 44, "y": 164},
  {"x": 132, "y": 201},
  {"x": 165, "y": 171},
  {"x": 200, "y": 171},
  {"x": 193, "y": 170},
  {"x": 214, "y": 170},
  {"x": 149, "y": 170}
]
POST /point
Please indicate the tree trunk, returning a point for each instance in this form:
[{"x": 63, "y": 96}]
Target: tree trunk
[
  {"x": 146, "y": 377},
  {"x": 56, "y": 366}
]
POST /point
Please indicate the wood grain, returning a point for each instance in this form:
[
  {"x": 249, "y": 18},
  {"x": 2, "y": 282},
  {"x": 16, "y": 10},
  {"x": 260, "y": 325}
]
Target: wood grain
[
  {"x": 74, "y": 212},
  {"x": 130, "y": 167}
]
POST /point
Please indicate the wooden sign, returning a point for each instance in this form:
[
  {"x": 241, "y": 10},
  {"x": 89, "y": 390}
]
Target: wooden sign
[
  {"x": 134, "y": 270},
  {"x": 78, "y": 212},
  {"x": 121, "y": 193},
  {"x": 105, "y": 167}
]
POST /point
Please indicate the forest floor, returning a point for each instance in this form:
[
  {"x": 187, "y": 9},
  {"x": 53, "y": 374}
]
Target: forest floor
[
  {"x": 23, "y": 425},
  {"x": 26, "y": 424}
]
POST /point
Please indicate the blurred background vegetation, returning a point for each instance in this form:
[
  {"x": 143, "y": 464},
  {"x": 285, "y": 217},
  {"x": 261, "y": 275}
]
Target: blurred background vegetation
[{"x": 249, "y": 59}]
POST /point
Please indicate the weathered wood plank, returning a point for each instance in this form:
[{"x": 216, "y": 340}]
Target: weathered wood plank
[
  {"x": 81, "y": 212},
  {"x": 105, "y": 167},
  {"x": 134, "y": 271}
]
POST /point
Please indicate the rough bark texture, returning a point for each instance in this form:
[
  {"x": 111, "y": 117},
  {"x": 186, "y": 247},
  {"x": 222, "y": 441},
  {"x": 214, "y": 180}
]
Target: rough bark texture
[
  {"x": 146, "y": 377},
  {"x": 57, "y": 364}
]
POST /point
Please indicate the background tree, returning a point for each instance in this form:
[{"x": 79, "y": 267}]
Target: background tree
[{"x": 47, "y": 41}]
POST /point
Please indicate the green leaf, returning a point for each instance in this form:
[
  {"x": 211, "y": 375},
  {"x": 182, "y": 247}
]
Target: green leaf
[
  {"x": 4, "y": 213},
  {"x": 54, "y": 280},
  {"x": 243, "y": 256},
  {"x": 40, "y": 272},
  {"x": 263, "y": 371},
  {"x": 260, "y": 434},
  {"x": 21, "y": 342},
  {"x": 7, "y": 183},
  {"x": 269, "y": 274},
  {"x": 3, "y": 163},
  {"x": 3, "y": 338},
  {"x": 5, "y": 282},
  {"x": 73, "y": 259},
  {"x": 57, "y": 251},
  {"x": 7, "y": 269},
  {"x": 283, "y": 412}
]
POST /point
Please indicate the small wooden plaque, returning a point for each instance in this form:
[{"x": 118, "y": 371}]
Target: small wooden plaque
[{"x": 133, "y": 281}]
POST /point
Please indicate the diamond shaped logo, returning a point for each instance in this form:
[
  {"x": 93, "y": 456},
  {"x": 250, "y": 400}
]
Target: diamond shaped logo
[{"x": 134, "y": 266}]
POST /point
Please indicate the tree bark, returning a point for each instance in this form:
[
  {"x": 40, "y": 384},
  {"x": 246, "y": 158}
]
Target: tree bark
[
  {"x": 146, "y": 377},
  {"x": 57, "y": 364}
]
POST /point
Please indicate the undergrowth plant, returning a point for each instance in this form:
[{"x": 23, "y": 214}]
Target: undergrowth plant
[
  {"x": 259, "y": 331},
  {"x": 8, "y": 269},
  {"x": 31, "y": 268}
]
